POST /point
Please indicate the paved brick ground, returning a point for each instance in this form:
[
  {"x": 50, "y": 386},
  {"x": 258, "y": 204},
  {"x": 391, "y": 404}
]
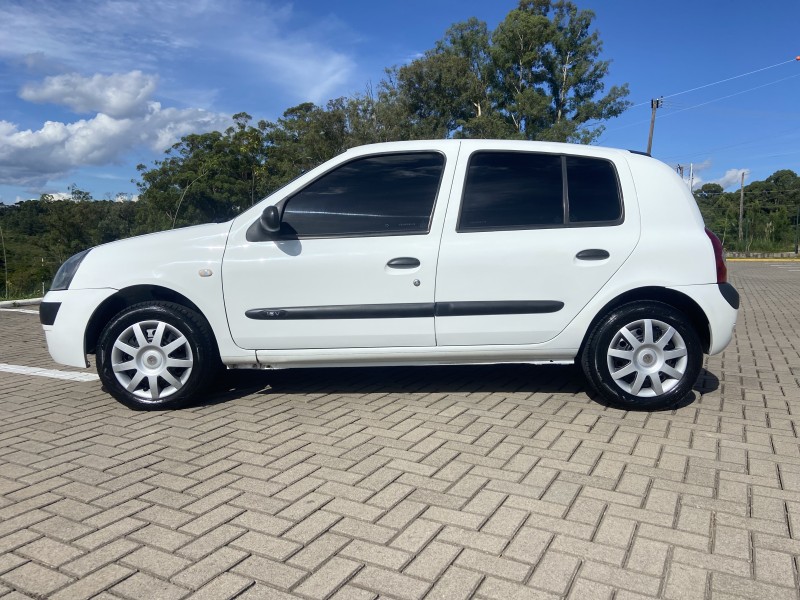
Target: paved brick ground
[{"x": 487, "y": 482}]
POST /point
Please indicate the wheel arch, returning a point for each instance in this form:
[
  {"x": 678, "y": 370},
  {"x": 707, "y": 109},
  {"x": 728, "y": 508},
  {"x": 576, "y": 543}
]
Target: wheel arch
[
  {"x": 672, "y": 298},
  {"x": 128, "y": 297}
]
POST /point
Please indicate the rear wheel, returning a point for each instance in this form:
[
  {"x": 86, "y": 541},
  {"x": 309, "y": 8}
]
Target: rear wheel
[
  {"x": 643, "y": 355},
  {"x": 156, "y": 355}
]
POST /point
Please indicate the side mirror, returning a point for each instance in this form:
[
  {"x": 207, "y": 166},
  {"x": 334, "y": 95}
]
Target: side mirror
[{"x": 271, "y": 219}]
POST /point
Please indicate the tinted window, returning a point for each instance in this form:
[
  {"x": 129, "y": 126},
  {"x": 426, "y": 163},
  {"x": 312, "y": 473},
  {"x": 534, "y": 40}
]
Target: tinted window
[
  {"x": 593, "y": 190},
  {"x": 390, "y": 193},
  {"x": 512, "y": 190}
]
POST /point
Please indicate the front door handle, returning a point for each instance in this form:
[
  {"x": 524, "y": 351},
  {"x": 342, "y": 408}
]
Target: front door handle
[
  {"x": 403, "y": 262},
  {"x": 592, "y": 254}
]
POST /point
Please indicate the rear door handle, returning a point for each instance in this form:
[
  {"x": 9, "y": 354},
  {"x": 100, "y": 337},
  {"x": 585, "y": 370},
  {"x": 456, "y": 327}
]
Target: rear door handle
[
  {"x": 403, "y": 262},
  {"x": 592, "y": 254}
]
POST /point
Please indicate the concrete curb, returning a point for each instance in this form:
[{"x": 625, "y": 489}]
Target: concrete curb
[
  {"x": 16, "y": 303},
  {"x": 771, "y": 260},
  {"x": 764, "y": 255}
]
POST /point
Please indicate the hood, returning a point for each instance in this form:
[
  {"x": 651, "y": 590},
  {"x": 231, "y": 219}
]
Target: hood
[{"x": 156, "y": 258}]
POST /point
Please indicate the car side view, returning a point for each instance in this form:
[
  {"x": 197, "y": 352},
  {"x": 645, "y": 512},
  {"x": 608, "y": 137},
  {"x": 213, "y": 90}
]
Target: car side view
[{"x": 416, "y": 253}]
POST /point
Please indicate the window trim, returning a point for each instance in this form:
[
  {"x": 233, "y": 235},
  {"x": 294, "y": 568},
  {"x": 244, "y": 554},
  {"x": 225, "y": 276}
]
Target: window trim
[
  {"x": 256, "y": 234},
  {"x": 566, "y": 223}
]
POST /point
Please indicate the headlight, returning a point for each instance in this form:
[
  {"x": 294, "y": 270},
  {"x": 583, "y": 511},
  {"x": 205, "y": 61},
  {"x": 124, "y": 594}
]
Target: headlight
[{"x": 67, "y": 271}]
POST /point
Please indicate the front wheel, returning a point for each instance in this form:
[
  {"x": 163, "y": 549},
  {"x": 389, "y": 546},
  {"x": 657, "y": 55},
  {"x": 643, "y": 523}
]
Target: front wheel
[
  {"x": 156, "y": 355},
  {"x": 643, "y": 355}
]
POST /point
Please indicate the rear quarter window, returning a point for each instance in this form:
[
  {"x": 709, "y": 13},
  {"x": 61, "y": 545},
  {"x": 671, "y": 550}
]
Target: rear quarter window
[{"x": 592, "y": 190}]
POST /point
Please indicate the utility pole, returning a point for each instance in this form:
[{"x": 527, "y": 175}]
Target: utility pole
[
  {"x": 797, "y": 224},
  {"x": 741, "y": 207},
  {"x": 654, "y": 104},
  {"x": 5, "y": 261}
]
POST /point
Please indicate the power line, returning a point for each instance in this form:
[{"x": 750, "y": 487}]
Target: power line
[
  {"x": 700, "y": 87},
  {"x": 675, "y": 112},
  {"x": 732, "y": 95},
  {"x": 731, "y": 78}
]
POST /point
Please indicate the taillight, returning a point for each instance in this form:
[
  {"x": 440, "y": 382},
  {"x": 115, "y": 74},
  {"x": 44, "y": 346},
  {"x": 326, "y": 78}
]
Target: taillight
[{"x": 719, "y": 256}]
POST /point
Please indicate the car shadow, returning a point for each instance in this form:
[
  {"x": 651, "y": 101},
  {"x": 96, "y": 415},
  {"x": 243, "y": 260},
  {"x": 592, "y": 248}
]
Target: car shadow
[{"x": 445, "y": 379}]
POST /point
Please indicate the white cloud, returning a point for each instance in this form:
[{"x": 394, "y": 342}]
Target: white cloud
[
  {"x": 34, "y": 157},
  {"x": 694, "y": 170},
  {"x": 119, "y": 95},
  {"x": 300, "y": 71},
  {"x": 732, "y": 177},
  {"x": 110, "y": 34},
  {"x": 256, "y": 39},
  {"x": 136, "y": 72}
]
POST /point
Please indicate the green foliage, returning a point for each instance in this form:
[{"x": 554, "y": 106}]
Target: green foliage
[
  {"x": 769, "y": 222},
  {"x": 537, "y": 76},
  {"x": 207, "y": 177},
  {"x": 39, "y": 235}
]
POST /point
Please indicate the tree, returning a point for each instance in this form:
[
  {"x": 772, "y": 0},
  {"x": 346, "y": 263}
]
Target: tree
[
  {"x": 304, "y": 137},
  {"x": 537, "y": 76},
  {"x": 450, "y": 89},
  {"x": 769, "y": 212},
  {"x": 207, "y": 177}
]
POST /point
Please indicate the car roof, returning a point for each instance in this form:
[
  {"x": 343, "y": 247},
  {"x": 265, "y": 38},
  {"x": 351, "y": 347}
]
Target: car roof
[{"x": 471, "y": 145}]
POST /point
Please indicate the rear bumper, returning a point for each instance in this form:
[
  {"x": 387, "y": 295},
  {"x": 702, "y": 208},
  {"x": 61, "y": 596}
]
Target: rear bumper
[
  {"x": 730, "y": 294},
  {"x": 720, "y": 303}
]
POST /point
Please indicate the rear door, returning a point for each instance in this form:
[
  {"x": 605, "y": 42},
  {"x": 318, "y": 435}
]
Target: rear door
[{"x": 528, "y": 240}]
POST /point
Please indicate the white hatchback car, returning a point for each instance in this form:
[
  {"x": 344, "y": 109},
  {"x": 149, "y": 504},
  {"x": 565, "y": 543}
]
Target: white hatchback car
[{"x": 431, "y": 252}]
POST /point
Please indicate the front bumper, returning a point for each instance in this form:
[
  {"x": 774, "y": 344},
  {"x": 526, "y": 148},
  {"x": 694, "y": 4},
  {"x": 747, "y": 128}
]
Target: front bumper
[
  {"x": 66, "y": 332},
  {"x": 48, "y": 311}
]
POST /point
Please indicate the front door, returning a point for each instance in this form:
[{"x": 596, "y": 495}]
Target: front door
[{"x": 354, "y": 264}]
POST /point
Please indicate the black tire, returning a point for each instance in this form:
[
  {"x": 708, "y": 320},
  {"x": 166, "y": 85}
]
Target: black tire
[
  {"x": 649, "y": 373},
  {"x": 167, "y": 346}
]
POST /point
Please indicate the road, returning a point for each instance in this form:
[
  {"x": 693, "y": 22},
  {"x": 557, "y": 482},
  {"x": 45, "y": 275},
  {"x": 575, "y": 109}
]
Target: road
[{"x": 492, "y": 482}]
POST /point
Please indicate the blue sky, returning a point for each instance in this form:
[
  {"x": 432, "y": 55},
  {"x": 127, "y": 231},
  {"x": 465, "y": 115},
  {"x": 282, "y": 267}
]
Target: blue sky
[{"x": 90, "y": 89}]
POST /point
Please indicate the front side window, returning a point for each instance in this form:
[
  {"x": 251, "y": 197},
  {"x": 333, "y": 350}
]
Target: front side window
[
  {"x": 388, "y": 194},
  {"x": 525, "y": 190}
]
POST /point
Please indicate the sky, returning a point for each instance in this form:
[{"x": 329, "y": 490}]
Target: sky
[{"x": 91, "y": 88}]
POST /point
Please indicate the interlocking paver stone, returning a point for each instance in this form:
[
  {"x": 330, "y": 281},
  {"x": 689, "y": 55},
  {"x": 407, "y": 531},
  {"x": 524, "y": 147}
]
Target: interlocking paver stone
[
  {"x": 34, "y": 579},
  {"x": 49, "y": 552},
  {"x": 459, "y": 482},
  {"x": 141, "y": 585},
  {"x": 332, "y": 575},
  {"x": 91, "y": 585}
]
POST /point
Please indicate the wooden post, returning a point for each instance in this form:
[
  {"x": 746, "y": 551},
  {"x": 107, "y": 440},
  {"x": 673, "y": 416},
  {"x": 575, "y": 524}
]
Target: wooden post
[
  {"x": 654, "y": 104},
  {"x": 741, "y": 207}
]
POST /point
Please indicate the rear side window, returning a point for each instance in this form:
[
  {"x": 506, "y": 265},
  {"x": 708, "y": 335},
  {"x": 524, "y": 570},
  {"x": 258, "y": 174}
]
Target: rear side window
[
  {"x": 512, "y": 190},
  {"x": 389, "y": 194},
  {"x": 524, "y": 190}
]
